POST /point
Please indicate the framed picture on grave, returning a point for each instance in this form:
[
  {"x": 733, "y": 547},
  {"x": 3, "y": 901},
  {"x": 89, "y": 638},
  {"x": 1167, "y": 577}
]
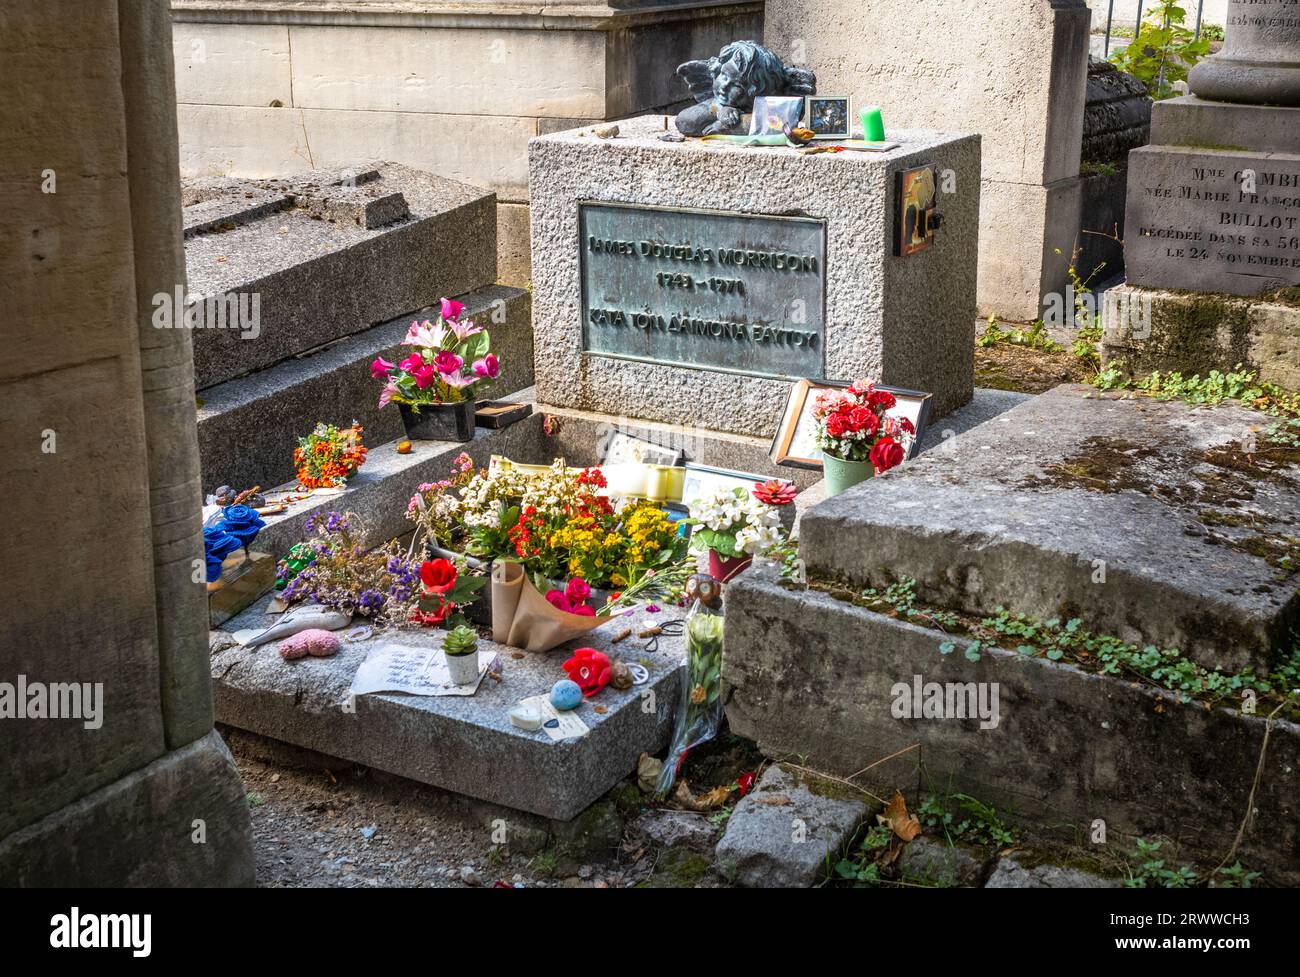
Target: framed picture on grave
[
  {"x": 916, "y": 217},
  {"x": 623, "y": 447},
  {"x": 775, "y": 114},
  {"x": 700, "y": 480},
  {"x": 795, "y": 442},
  {"x": 829, "y": 115}
]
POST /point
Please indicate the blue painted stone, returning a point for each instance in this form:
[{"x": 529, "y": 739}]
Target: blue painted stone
[{"x": 566, "y": 695}]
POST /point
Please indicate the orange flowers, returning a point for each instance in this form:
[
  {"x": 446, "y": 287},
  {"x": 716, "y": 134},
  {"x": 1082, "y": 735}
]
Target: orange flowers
[{"x": 329, "y": 456}]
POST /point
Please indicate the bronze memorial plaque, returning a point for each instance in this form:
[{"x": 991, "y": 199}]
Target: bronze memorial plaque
[{"x": 706, "y": 289}]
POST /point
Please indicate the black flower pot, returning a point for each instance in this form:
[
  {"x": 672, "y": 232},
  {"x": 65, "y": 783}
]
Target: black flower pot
[{"x": 439, "y": 422}]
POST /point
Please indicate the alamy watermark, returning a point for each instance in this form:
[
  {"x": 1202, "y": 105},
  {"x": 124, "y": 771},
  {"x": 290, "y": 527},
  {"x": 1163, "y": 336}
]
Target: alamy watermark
[
  {"x": 946, "y": 700},
  {"x": 53, "y": 700},
  {"x": 225, "y": 310}
]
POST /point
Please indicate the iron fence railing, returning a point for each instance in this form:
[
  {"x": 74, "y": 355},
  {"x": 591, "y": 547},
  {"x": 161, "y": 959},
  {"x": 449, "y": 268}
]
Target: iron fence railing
[{"x": 1137, "y": 23}]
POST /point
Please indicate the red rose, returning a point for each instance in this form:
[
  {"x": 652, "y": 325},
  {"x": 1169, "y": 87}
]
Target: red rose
[
  {"x": 907, "y": 425},
  {"x": 577, "y": 590},
  {"x": 865, "y": 419},
  {"x": 438, "y": 576},
  {"x": 886, "y": 454},
  {"x": 882, "y": 398},
  {"x": 590, "y": 669}
]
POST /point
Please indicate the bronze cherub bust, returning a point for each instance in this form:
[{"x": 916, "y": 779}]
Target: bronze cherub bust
[{"x": 725, "y": 87}]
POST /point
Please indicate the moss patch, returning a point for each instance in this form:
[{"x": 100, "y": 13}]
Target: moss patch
[{"x": 678, "y": 868}]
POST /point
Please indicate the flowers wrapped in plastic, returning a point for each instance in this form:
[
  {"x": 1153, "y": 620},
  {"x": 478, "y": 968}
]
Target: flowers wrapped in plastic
[{"x": 699, "y": 713}]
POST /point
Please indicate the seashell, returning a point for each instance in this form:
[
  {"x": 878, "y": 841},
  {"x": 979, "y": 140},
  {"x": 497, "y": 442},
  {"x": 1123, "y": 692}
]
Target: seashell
[{"x": 621, "y": 677}]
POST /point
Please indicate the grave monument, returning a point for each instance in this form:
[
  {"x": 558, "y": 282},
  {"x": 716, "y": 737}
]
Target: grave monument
[
  {"x": 1212, "y": 236},
  {"x": 689, "y": 283}
]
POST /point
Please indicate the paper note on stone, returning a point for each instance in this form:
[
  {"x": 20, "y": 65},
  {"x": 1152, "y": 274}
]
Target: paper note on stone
[
  {"x": 416, "y": 671},
  {"x": 555, "y": 724}
]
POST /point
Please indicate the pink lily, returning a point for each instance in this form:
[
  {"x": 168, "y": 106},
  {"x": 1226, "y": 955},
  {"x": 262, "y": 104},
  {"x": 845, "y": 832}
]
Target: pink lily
[
  {"x": 426, "y": 334},
  {"x": 386, "y": 395},
  {"x": 457, "y": 380},
  {"x": 464, "y": 330}
]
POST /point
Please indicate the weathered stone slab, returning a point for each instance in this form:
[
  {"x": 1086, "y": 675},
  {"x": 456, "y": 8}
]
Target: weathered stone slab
[
  {"x": 789, "y": 830},
  {"x": 1148, "y": 329},
  {"x": 932, "y": 861},
  {"x": 144, "y": 826},
  {"x": 1189, "y": 530},
  {"x": 1197, "y": 122},
  {"x": 461, "y": 743},
  {"x": 1213, "y": 220},
  {"x": 1011, "y": 874},
  {"x": 906, "y": 321},
  {"x": 811, "y": 676},
  {"x": 249, "y": 426},
  {"x": 340, "y": 259}
]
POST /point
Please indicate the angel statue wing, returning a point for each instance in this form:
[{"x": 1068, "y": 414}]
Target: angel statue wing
[
  {"x": 699, "y": 76},
  {"x": 799, "y": 81}
]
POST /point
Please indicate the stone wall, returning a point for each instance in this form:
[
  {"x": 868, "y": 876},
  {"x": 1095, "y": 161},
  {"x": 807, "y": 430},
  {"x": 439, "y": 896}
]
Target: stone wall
[
  {"x": 1012, "y": 70},
  {"x": 102, "y": 534},
  {"x": 266, "y": 87}
]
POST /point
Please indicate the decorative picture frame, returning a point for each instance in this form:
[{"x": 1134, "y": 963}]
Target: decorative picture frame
[
  {"x": 830, "y": 116},
  {"x": 772, "y": 112},
  {"x": 794, "y": 444},
  {"x": 702, "y": 479},
  {"x": 915, "y": 216}
]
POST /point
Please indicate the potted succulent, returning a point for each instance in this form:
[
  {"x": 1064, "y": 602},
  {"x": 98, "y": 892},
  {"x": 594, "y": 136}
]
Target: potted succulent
[
  {"x": 857, "y": 437},
  {"x": 734, "y": 526},
  {"x": 461, "y": 648},
  {"x": 435, "y": 386}
]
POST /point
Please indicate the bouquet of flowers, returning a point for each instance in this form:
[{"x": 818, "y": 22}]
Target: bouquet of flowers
[
  {"x": 699, "y": 714},
  {"x": 329, "y": 456},
  {"x": 853, "y": 425},
  {"x": 449, "y": 362},
  {"x": 345, "y": 575},
  {"x": 734, "y": 523}
]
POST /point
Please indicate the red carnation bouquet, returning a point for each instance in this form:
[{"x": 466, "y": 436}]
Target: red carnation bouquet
[{"x": 853, "y": 424}]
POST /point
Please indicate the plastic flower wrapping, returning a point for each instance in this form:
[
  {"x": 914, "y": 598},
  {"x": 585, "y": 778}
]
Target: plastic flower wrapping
[{"x": 699, "y": 713}]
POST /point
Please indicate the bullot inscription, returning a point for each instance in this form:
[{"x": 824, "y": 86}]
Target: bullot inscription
[
  {"x": 704, "y": 289},
  {"x": 1207, "y": 222}
]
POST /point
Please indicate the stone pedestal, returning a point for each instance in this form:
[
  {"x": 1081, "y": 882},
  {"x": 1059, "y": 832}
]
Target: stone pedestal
[
  {"x": 1214, "y": 211},
  {"x": 670, "y": 327},
  {"x": 1260, "y": 60}
]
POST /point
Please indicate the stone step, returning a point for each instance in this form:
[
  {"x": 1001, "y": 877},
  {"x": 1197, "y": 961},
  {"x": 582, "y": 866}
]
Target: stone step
[
  {"x": 812, "y": 677},
  {"x": 461, "y": 743},
  {"x": 325, "y": 259},
  {"x": 1145, "y": 519},
  {"x": 249, "y": 426}
]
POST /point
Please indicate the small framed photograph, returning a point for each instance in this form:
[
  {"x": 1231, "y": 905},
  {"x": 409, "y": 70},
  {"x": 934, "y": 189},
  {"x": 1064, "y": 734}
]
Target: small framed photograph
[
  {"x": 774, "y": 114},
  {"x": 829, "y": 116},
  {"x": 795, "y": 443},
  {"x": 915, "y": 218},
  {"x": 700, "y": 480},
  {"x": 623, "y": 448}
]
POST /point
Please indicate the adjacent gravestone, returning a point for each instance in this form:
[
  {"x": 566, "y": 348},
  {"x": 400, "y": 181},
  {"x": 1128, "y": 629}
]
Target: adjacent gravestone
[
  {"x": 691, "y": 282},
  {"x": 1014, "y": 71},
  {"x": 1214, "y": 208}
]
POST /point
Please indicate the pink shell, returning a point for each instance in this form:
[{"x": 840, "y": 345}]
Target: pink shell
[{"x": 313, "y": 641}]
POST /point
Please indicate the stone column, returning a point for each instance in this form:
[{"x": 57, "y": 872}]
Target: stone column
[{"x": 1260, "y": 60}]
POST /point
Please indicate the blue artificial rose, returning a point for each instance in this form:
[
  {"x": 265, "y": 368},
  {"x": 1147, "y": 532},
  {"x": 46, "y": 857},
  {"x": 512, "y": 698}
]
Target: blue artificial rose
[
  {"x": 241, "y": 522},
  {"x": 217, "y": 545}
]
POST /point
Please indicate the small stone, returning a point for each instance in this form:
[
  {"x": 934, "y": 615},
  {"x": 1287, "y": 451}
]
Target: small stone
[
  {"x": 566, "y": 695},
  {"x": 1011, "y": 873},
  {"x": 469, "y": 875},
  {"x": 586, "y": 872},
  {"x": 314, "y": 641},
  {"x": 664, "y": 828},
  {"x": 605, "y": 132},
  {"x": 620, "y": 676},
  {"x": 932, "y": 861}
]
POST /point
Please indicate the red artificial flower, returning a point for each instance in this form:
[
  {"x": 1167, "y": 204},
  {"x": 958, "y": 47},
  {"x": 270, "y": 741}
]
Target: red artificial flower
[
  {"x": 432, "y": 618},
  {"x": 577, "y": 590},
  {"x": 864, "y": 419},
  {"x": 590, "y": 669},
  {"x": 558, "y": 600},
  {"x": 886, "y": 454},
  {"x": 438, "y": 576},
  {"x": 745, "y": 783},
  {"x": 835, "y": 425},
  {"x": 882, "y": 398},
  {"x": 774, "y": 492}
]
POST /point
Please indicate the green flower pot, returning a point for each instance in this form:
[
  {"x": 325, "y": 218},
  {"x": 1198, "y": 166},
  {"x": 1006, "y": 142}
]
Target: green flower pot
[{"x": 841, "y": 474}]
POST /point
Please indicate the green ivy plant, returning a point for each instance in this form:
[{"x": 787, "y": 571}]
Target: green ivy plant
[{"x": 1164, "y": 50}]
